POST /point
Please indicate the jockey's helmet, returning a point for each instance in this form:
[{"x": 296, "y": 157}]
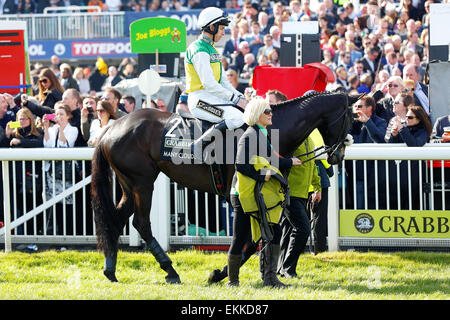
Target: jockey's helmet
[{"x": 212, "y": 16}]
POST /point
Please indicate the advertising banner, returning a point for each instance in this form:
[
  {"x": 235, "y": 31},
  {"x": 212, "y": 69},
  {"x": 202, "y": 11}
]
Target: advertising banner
[
  {"x": 14, "y": 57},
  {"x": 80, "y": 49},
  {"x": 166, "y": 35},
  {"x": 394, "y": 223}
]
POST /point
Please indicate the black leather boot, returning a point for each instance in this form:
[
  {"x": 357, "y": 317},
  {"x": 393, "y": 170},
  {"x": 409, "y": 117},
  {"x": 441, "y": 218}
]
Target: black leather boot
[
  {"x": 200, "y": 144},
  {"x": 269, "y": 264},
  {"x": 234, "y": 264}
]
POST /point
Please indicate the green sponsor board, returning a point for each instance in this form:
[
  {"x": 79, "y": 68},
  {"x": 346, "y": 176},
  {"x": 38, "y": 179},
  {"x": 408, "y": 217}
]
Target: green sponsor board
[
  {"x": 394, "y": 223},
  {"x": 166, "y": 35}
]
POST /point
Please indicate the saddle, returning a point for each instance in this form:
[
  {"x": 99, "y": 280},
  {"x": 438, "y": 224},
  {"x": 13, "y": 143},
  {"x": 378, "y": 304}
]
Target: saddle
[{"x": 180, "y": 132}]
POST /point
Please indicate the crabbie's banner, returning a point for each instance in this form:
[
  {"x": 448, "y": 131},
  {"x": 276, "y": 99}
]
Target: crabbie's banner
[
  {"x": 166, "y": 35},
  {"x": 394, "y": 224}
]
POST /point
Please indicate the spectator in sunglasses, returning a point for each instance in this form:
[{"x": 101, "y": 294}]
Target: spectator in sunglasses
[
  {"x": 105, "y": 116},
  {"x": 385, "y": 107},
  {"x": 50, "y": 91},
  {"x": 401, "y": 104},
  {"x": 415, "y": 130},
  {"x": 368, "y": 128}
]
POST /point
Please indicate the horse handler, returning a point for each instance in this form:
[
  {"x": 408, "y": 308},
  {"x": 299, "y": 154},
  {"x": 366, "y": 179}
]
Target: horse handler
[
  {"x": 295, "y": 222},
  {"x": 211, "y": 95},
  {"x": 253, "y": 168}
]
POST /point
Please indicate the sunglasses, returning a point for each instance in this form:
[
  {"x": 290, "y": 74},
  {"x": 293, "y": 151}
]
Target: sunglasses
[
  {"x": 410, "y": 117},
  {"x": 43, "y": 80},
  {"x": 359, "y": 106},
  {"x": 100, "y": 110},
  {"x": 268, "y": 111},
  {"x": 393, "y": 85}
]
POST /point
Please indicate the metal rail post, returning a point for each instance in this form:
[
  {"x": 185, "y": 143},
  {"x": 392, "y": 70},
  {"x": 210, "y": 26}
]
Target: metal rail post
[
  {"x": 6, "y": 205},
  {"x": 333, "y": 211}
]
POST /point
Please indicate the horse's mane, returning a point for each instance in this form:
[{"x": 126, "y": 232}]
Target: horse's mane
[{"x": 305, "y": 98}]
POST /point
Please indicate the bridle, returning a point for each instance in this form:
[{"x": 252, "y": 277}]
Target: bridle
[{"x": 336, "y": 145}]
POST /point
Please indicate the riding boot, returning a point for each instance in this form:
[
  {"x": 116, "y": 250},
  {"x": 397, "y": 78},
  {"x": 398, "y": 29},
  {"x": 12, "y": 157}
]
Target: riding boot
[
  {"x": 218, "y": 275},
  {"x": 200, "y": 144},
  {"x": 234, "y": 263},
  {"x": 270, "y": 262},
  {"x": 319, "y": 247}
]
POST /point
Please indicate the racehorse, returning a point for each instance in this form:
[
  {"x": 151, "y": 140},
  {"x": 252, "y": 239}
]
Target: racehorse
[{"x": 131, "y": 147}]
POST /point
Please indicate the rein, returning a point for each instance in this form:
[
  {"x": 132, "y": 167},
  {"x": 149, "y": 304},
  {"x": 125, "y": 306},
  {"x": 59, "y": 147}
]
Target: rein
[{"x": 333, "y": 148}]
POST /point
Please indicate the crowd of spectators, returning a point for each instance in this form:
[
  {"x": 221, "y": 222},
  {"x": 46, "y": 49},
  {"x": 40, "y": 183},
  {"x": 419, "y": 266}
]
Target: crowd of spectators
[{"x": 65, "y": 110}]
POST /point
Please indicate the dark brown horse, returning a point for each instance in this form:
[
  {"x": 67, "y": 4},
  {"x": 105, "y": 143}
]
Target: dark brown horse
[{"x": 131, "y": 147}]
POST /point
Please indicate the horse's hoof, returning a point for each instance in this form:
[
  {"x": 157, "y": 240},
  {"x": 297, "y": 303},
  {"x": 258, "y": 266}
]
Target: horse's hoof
[
  {"x": 215, "y": 276},
  {"x": 173, "y": 280},
  {"x": 111, "y": 275}
]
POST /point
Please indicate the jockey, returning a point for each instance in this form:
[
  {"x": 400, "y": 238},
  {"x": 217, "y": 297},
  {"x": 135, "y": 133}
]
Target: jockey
[{"x": 205, "y": 81}]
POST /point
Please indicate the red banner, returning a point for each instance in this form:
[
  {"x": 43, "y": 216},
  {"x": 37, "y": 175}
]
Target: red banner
[{"x": 292, "y": 81}]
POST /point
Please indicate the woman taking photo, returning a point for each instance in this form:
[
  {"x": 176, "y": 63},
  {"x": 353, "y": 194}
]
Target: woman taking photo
[
  {"x": 60, "y": 135},
  {"x": 105, "y": 116},
  {"x": 253, "y": 150},
  {"x": 401, "y": 104},
  {"x": 27, "y": 135},
  {"x": 28, "y": 181},
  {"x": 415, "y": 131}
]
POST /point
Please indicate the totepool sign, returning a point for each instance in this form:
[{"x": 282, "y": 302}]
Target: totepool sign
[
  {"x": 166, "y": 35},
  {"x": 394, "y": 224},
  {"x": 80, "y": 49}
]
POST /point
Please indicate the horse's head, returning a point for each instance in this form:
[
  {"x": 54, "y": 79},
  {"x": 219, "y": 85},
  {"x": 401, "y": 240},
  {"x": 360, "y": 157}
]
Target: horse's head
[{"x": 336, "y": 126}]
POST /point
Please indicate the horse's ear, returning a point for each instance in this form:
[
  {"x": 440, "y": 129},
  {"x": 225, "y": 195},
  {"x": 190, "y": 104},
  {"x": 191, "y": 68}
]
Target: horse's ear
[{"x": 353, "y": 99}]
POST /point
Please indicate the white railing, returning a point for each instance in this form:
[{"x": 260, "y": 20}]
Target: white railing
[
  {"x": 71, "y": 25},
  {"x": 186, "y": 217}
]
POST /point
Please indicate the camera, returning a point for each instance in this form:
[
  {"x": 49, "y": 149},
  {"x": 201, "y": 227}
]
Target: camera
[
  {"x": 14, "y": 124},
  {"x": 50, "y": 116},
  {"x": 90, "y": 109}
]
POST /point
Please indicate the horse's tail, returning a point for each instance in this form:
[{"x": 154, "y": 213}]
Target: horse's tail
[{"x": 105, "y": 212}]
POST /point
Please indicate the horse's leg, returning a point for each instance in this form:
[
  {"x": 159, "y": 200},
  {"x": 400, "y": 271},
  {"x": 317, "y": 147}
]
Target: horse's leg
[
  {"x": 141, "y": 221},
  {"x": 124, "y": 211},
  {"x": 108, "y": 218}
]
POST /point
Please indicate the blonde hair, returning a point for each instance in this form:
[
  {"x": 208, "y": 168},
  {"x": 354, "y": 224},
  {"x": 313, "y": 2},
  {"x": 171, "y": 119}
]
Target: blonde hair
[
  {"x": 254, "y": 109},
  {"x": 78, "y": 71},
  {"x": 33, "y": 129},
  {"x": 396, "y": 79},
  {"x": 409, "y": 82}
]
